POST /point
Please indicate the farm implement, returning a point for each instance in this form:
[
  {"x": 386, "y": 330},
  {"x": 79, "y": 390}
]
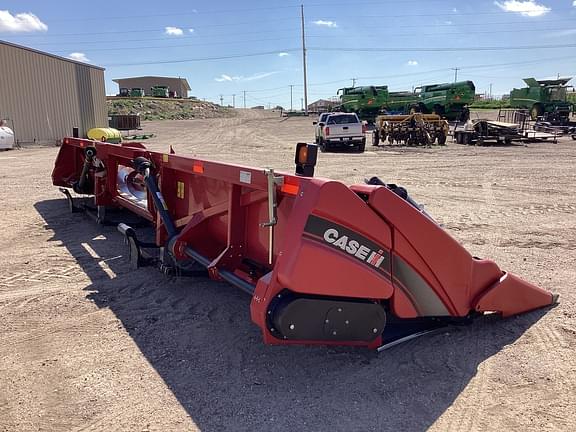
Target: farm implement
[
  {"x": 412, "y": 129},
  {"x": 323, "y": 263}
]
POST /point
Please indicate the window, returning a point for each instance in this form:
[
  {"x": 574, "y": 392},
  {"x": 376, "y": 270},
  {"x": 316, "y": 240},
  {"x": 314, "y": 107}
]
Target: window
[{"x": 343, "y": 119}]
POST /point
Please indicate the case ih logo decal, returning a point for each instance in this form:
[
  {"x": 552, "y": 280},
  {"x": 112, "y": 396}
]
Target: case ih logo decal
[{"x": 349, "y": 242}]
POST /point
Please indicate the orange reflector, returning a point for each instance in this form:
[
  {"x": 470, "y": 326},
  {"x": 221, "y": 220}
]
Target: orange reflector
[
  {"x": 303, "y": 154},
  {"x": 198, "y": 168},
  {"x": 66, "y": 141},
  {"x": 290, "y": 189}
]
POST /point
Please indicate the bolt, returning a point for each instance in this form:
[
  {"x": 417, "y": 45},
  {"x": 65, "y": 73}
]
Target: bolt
[
  {"x": 339, "y": 309},
  {"x": 292, "y": 327},
  {"x": 334, "y": 333},
  {"x": 375, "y": 330},
  {"x": 346, "y": 322},
  {"x": 327, "y": 321},
  {"x": 269, "y": 312}
]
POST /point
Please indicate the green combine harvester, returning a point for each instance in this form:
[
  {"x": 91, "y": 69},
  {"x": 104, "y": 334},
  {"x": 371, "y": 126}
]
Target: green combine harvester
[
  {"x": 137, "y": 92},
  {"x": 366, "y": 102},
  {"x": 546, "y": 99},
  {"x": 450, "y": 101},
  {"x": 159, "y": 91}
]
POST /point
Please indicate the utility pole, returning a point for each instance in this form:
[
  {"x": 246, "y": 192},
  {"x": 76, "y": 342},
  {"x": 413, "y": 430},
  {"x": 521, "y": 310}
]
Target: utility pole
[
  {"x": 304, "y": 60},
  {"x": 244, "y": 93},
  {"x": 455, "y": 73},
  {"x": 302, "y": 105},
  {"x": 291, "y": 87},
  {"x": 490, "y": 91},
  {"x": 233, "y": 101},
  {"x": 221, "y": 100},
  {"x": 353, "y": 82}
]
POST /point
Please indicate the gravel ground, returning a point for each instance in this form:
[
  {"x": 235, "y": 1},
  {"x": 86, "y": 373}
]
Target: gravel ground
[{"x": 87, "y": 344}]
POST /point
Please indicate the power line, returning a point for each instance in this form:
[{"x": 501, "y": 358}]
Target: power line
[
  {"x": 436, "y": 49},
  {"x": 202, "y": 58},
  {"x": 343, "y": 49},
  {"x": 251, "y": 23},
  {"x": 197, "y": 12}
]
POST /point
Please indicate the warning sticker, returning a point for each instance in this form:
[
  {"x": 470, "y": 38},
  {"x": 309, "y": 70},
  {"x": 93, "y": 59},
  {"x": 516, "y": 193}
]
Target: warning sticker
[{"x": 245, "y": 177}]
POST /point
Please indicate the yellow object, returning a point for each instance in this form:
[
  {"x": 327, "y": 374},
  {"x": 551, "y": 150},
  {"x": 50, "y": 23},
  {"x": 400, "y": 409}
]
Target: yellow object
[{"x": 105, "y": 135}]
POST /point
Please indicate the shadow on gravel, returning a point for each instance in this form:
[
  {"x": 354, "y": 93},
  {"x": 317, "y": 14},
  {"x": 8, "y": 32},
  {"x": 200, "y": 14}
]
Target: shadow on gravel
[{"x": 198, "y": 336}]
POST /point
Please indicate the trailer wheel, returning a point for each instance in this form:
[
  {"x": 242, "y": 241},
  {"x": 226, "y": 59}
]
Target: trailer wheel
[
  {"x": 376, "y": 137},
  {"x": 466, "y": 138},
  {"x": 458, "y": 137}
]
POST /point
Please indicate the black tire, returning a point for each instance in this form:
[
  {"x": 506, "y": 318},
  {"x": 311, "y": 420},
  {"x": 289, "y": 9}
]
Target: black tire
[
  {"x": 466, "y": 138},
  {"x": 536, "y": 111},
  {"x": 376, "y": 138},
  {"x": 465, "y": 115},
  {"x": 322, "y": 145},
  {"x": 458, "y": 137},
  {"x": 361, "y": 147},
  {"x": 507, "y": 141},
  {"x": 439, "y": 110},
  {"x": 441, "y": 139}
]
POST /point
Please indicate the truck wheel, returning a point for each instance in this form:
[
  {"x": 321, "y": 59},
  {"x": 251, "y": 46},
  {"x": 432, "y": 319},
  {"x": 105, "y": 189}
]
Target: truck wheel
[
  {"x": 466, "y": 138},
  {"x": 441, "y": 139},
  {"x": 536, "y": 111},
  {"x": 375, "y": 138},
  {"x": 362, "y": 146}
]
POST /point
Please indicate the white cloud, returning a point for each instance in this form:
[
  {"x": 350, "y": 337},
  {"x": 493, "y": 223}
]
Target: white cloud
[
  {"x": 78, "y": 56},
  {"x": 456, "y": 10},
  {"x": 22, "y": 22},
  {"x": 225, "y": 77},
  {"x": 322, "y": 23},
  {"x": 191, "y": 30},
  {"x": 412, "y": 63},
  {"x": 173, "y": 31},
  {"x": 574, "y": 3},
  {"x": 258, "y": 76},
  {"x": 283, "y": 54},
  {"x": 528, "y": 8},
  {"x": 448, "y": 22},
  {"x": 254, "y": 77}
]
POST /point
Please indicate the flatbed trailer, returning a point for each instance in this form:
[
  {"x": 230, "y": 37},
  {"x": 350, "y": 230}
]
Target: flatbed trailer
[{"x": 486, "y": 132}]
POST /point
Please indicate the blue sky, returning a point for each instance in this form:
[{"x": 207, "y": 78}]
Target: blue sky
[{"x": 228, "y": 47}]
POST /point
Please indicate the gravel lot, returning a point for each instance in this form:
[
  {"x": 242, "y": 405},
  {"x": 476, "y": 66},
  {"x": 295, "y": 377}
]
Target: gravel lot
[{"x": 87, "y": 344}]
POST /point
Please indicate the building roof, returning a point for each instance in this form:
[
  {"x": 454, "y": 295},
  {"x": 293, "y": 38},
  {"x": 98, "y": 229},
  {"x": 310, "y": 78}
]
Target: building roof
[
  {"x": 183, "y": 80},
  {"x": 3, "y": 42}
]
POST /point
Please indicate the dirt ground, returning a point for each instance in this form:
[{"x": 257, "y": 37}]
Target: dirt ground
[{"x": 87, "y": 344}]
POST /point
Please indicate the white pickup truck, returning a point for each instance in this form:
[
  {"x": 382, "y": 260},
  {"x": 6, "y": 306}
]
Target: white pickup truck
[{"x": 340, "y": 130}]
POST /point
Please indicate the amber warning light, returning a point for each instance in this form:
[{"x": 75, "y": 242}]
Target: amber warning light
[{"x": 305, "y": 160}]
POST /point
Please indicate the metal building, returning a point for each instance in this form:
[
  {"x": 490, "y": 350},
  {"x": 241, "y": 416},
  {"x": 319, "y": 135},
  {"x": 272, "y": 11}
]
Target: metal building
[
  {"x": 178, "y": 85},
  {"x": 43, "y": 96}
]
